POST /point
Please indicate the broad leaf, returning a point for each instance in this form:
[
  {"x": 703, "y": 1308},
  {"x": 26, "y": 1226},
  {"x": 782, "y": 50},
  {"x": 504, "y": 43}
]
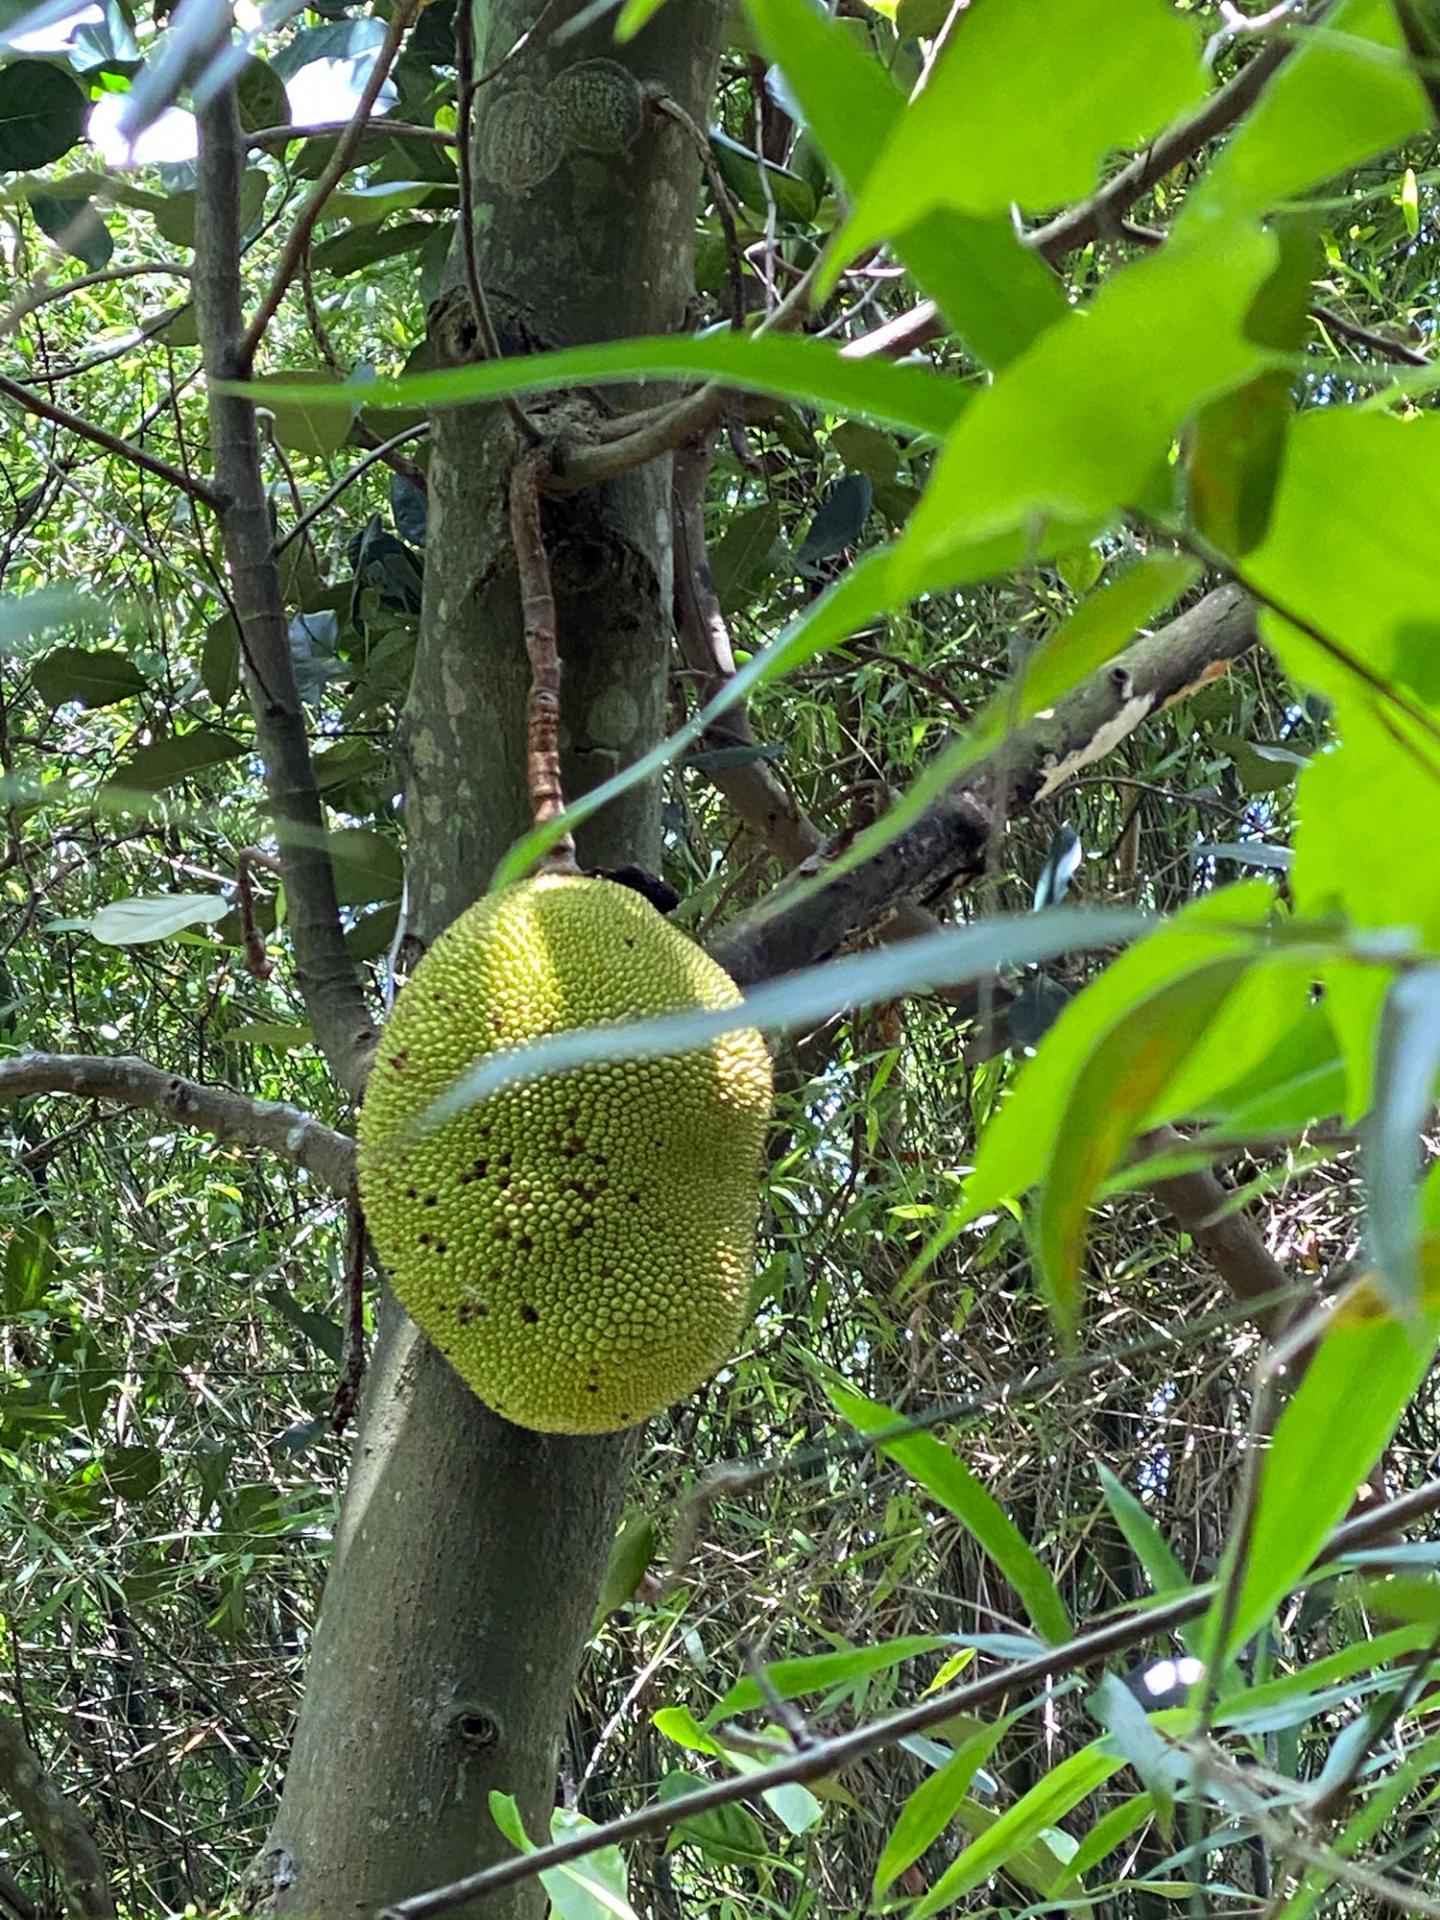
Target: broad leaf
[
  {"x": 131, "y": 923},
  {"x": 1081, "y": 424},
  {"x": 1092, "y": 75},
  {"x": 42, "y": 114},
  {"x": 94, "y": 677},
  {"x": 173, "y": 758}
]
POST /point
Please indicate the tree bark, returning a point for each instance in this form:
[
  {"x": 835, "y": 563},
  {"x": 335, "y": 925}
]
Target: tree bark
[{"x": 468, "y": 1554}]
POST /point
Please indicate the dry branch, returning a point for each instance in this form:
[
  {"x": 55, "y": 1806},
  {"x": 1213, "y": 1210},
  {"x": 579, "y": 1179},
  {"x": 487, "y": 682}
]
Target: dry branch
[
  {"x": 948, "y": 843},
  {"x": 537, "y": 611}
]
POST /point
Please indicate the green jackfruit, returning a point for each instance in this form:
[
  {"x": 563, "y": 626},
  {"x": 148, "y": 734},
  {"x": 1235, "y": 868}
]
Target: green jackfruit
[{"x": 581, "y": 1247}]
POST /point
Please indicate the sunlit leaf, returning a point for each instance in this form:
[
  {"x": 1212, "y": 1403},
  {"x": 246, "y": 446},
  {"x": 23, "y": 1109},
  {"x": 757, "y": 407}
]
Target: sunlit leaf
[
  {"x": 807, "y": 370},
  {"x": 130, "y": 923}
]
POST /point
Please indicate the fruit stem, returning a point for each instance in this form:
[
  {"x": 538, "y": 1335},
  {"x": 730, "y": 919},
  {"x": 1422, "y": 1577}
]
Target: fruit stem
[{"x": 537, "y": 608}]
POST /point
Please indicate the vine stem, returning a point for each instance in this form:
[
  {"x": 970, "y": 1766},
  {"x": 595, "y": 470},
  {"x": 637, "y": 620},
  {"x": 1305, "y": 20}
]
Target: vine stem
[{"x": 537, "y": 609}]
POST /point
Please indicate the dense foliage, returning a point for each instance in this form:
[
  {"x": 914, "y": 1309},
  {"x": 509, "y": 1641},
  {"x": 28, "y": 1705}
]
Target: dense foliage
[{"x": 1062, "y": 582}]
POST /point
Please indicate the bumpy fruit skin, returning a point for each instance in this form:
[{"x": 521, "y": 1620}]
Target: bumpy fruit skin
[{"x": 582, "y": 1247}]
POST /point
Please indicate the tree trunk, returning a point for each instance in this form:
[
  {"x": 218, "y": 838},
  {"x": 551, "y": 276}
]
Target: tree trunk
[{"x": 468, "y": 1554}]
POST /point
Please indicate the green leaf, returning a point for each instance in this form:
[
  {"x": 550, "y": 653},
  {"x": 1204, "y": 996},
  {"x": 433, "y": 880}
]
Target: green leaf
[
  {"x": 819, "y": 1672},
  {"x": 1049, "y": 1800},
  {"x": 260, "y": 97},
  {"x": 28, "y": 616},
  {"x": 804, "y": 999},
  {"x": 173, "y": 758},
  {"x": 1079, "y": 425},
  {"x": 1350, "y": 549},
  {"x": 1235, "y": 456},
  {"x": 95, "y": 677},
  {"x": 76, "y": 227},
  {"x": 286, "y": 1036},
  {"x": 42, "y": 114},
  {"x": 1024, "y": 105},
  {"x": 997, "y": 293},
  {"x": 1335, "y": 1427},
  {"x": 933, "y": 1805},
  {"x": 739, "y": 557},
  {"x": 591, "y": 1888},
  {"x": 361, "y": 247},
  {"x": 1347, "y": 93},
  {"x": 1406, "y": 1068},
  {"x": 730, "y": 1835},
  {"x": 947, "y": 1479},
  {"x": 759, "y": 185},
  {"x": 1117, "y": 1088},
  {"x": 175, "y": 215},
  {"x": 320, "y": 431},
  {"x": 851, "y": 104},
  {"x": 154, "y": 916},
  {"x": 220, "y": 660},
  {"x": 1022, "y": 1137},
  {"x": 1143, "y": 1537},
  {"x": 1156, "y": 1764},
  {"x": 369, "y": 866},
  {"x": 630, "y": 1555},
  {"x": 1110, "y": 1831},
  {"x": 791, "y": 368}
]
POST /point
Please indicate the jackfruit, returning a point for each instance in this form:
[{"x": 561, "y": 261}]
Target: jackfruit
[{"x": 580, "y": 1247}]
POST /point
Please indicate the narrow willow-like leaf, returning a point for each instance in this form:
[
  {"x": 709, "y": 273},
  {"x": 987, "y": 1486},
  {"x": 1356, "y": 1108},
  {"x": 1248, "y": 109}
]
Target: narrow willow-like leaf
[
  {"x": 1115, "y": 1091},
  {"x": 817, "y": 993},
  {"x": 1049, "y": 1800},
  {"x": 933, "y": 1805},
  {"x": 818, "y": 1672},
  {"x": 947, "y": 1479},
  {"x": 792, "y": 368},
  {"x": 1329, "y": 1437},
  {"x": 1406, "y": 1066}
]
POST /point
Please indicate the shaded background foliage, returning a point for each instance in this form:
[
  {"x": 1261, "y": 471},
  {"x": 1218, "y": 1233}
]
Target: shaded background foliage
[{"x": 174, "y": 1310}]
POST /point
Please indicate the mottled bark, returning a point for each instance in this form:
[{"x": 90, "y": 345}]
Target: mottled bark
[{"x": 468, "y": 1554}]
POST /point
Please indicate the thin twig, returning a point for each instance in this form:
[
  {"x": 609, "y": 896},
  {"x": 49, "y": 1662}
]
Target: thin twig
[
  {"x": 537, "y": 608},
  {"x": 829, "y": 1757},
  {"x": 340, "y": 163},
  {"x": 42, "y": 409},
  {"x": 376, "y": 130},
  {"x": 332, "y": 494},
  {"x": 325, "y": 970},
  {"x": 662, "y": 103}
]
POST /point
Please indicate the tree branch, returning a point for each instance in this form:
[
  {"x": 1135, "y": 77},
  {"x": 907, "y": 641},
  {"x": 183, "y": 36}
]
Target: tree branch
[
  {"x": 327, "y": 977},
  {"x": 60, "y": 1830},
  {"x": 222, "y": 1112},
  {"x": 947, "y": 844},
  {"x": 176, "y": 477},
  {"x": 829, "y": 1757}
]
